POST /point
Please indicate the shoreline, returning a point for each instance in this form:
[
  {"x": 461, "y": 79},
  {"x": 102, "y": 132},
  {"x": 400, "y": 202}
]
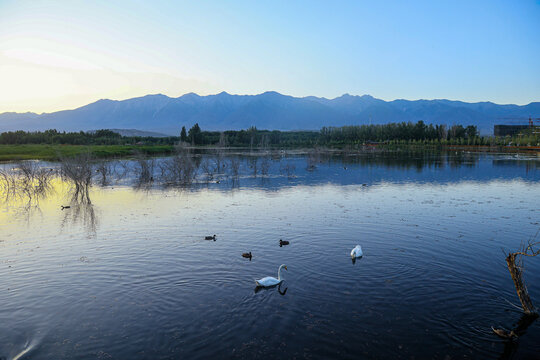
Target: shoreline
[{"x": 55, "y": 152}]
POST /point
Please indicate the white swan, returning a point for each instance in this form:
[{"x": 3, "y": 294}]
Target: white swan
[
  {"x": 357, "y": 252},
  {"x": 271, "y": 281}
]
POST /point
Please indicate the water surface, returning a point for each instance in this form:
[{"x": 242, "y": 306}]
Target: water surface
[{"x": 129, "y": 275}]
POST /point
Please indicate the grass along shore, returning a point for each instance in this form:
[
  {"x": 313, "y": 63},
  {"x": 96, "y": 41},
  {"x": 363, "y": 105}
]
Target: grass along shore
[{"x": 56, "y": 152}]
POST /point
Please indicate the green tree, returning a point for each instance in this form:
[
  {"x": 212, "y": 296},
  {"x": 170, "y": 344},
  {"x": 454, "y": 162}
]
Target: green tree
[
  {"x": 195, "y": 135},
  {"x": 471, "y": 131},
  {"x": 456, "y": 131},
  {"x": 183, "y": 134}
]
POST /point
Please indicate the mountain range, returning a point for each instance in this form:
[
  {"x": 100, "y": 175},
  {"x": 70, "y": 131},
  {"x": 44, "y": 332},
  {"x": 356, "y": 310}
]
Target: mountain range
[{"x": 269, "y": 110}]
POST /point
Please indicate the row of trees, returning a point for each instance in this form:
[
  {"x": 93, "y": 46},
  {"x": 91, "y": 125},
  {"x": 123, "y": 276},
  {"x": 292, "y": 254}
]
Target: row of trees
[
  {"x": 329, "y": 135},
  {"x": 396, "y": 131},
  {"x": 251, "y": 137},
  {"x": 393, "y": 133},
  {"x": 99, "y": 137}
]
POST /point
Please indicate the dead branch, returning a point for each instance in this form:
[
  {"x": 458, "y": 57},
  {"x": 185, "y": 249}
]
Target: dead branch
[
  {"x": 529, "y": 250},
  {"x": 514, "y": 262}
]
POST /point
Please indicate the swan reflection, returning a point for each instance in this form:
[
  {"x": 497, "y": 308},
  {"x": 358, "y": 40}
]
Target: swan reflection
[{"x": 278, "y": 286}]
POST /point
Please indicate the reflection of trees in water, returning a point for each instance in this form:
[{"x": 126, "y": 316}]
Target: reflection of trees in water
[
  {"x": 461, "y": 158},
  {"x": 190, "y": 168},
  {"x": 235, "y": 182},
  {"x": 187, "y": 168},
  {"x": 253, "y": 162},
  {"x": 288, "y": 169},
  {"x": 27, "y": 183},
  {"x": 313, "y": 158},
  {"x": 265, "y": 165},
  {"x": 235, "y": 167},
  {"x": 529, "y": 163},
  {"x": 81, "y": 213},
  {"x": 402, "y": 159},
  {"x": 78, "y": 171}
]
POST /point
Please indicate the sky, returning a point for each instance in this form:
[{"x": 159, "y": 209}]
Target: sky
[{"x": 57, "y": 55}]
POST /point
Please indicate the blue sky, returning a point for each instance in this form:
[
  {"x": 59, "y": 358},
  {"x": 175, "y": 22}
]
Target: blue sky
[{"x": 63, "y": 54}]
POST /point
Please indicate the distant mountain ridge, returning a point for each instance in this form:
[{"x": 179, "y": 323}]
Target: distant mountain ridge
[
  {"x": 135, "y": 132},
  {"x": 269, "y": 110}
]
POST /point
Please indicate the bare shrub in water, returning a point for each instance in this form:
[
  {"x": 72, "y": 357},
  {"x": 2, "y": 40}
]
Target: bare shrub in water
[
  {"x": 122, "y": 169},
  {"x": 235, "y": 167},
  {"x": 34, "y": 176},
  {"x": 207, "y": 169},
  {"x": 180, "y": 168},
  {"x": 78, "y": 171},
  {"x": 253, "y": 161},
  {"x": 220, "y": 163},
  {"x": 313, "y": 158},
  {"x": 265, "y": 165},
  {"x": 288, "y": 169},
  {"x": 105, "y": 170},
  {"x": 218, "y": 159},
  {"x": 144, "y": 169}
]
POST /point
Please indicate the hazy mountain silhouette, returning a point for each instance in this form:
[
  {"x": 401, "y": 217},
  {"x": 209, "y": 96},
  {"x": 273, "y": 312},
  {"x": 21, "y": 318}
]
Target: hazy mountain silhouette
[{"x": 269, "y": 110}]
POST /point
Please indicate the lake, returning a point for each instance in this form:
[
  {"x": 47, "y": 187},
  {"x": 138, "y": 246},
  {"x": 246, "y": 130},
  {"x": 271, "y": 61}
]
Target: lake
[{"x": 126, "y": 273}]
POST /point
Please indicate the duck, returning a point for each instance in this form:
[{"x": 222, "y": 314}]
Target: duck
[
  {"x": 356, "y": 252},
  {"x": 247, "y": 255},
  {"x": 504, "y": 334},
  {"x": 283, "y": 242},
  {"x": 210, "y": 237},
  {"x": 271, "y": 281}
]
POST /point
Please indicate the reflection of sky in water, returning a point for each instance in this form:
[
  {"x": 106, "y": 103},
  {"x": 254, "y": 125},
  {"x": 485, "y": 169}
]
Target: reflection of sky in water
[{"x": 130, "y": 276}]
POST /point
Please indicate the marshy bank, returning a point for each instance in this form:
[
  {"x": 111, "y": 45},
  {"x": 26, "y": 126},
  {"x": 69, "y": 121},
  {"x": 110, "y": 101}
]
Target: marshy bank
[{"x": 53, "y": 144}]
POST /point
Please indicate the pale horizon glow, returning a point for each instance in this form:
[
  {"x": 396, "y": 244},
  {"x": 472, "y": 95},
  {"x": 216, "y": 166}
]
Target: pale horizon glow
[{"x": 57, "y": 55}]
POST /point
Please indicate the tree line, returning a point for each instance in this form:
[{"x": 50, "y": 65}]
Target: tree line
[
  {"x": 343, "y": 135},
  {"x": 392, "y": 133},
  {"x": 98, "y": 137},
  {"x": 397, "y": 131}
]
